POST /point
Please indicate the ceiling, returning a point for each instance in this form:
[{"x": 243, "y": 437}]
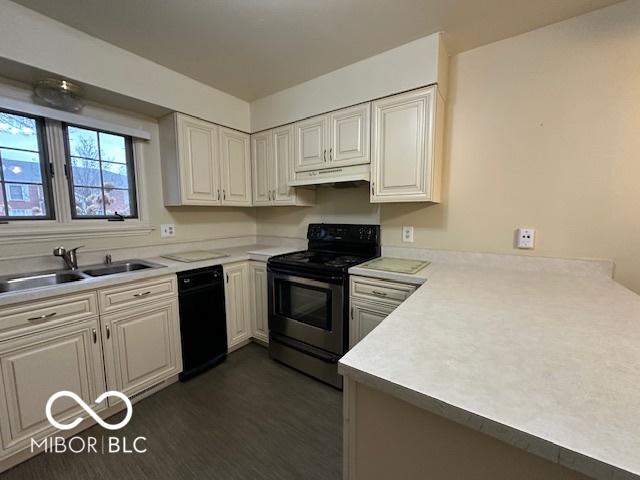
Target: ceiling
[{"x": 251, "y": 48}]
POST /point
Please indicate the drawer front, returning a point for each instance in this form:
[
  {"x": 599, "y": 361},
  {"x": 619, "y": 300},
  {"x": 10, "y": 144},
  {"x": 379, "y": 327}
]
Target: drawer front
[
  {"x": 382, "y": 291},
  {"x": 25, "y": 318},
  {"x": 132, "y": 294}
]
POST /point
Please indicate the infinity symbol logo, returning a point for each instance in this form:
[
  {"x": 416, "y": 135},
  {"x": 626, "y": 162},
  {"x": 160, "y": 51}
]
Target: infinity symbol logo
[{"x": 88, "y": 409}]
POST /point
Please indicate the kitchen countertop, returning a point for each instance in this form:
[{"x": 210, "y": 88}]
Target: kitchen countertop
[
  {"x": 548, "y": 362},
  {"x": 417, "y": 278},
  {"x": 236, "y": 254}
]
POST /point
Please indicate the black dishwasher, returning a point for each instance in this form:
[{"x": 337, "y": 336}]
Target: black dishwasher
[{"x": 203, "y": 325}]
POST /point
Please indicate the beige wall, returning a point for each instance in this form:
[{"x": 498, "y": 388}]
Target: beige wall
[
  {"x": 333, "y": 205},
  {"x": 542, "y": 131}
]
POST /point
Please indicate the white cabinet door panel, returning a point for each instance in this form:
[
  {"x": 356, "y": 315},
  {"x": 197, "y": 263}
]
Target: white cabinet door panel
[
  {"x": 259, "y": 301},
  {"x": 350, "y": 136},
  {"x": 198, "y": 146},
  {"x": 237, "y": 298},
  {"x": 236, "y": 168},
  {"x": 402, "y": 147},
  {"x": 364, "y": 318},
  {"x": 36, "y": 366},
  {"x": 261, "y": 162},
  {"x": 311, "y": 144},
  {"x": 283, "y": 151},
  {"x": 142, "y": 346}
]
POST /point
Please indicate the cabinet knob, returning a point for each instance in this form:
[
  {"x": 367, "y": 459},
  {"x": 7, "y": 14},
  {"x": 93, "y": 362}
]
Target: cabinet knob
[{"x": 95, "y": 335}]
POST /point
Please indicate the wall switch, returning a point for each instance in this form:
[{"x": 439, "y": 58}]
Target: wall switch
[
  {"x": 407, "y": 234},
  {"x": 167, "y": 230},
  {"x": 525, "y": 238}
]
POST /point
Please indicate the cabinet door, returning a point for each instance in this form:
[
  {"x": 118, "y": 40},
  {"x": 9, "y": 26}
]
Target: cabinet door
[
  {"x": 236, "y": 294},
  {"x": 236, "y": 168},
  {"x": 403, "y": 147},
  {"x": 350, "y": 136},
  {"x": 36, "y": 366},
  {"x": 259, "y": 303},
  {"x": 311, "y": 144},
  {"x": 283, "y": 150},
  {"x": 364, "y": 318},
  {"x": 199, "y": 163},
  {"x": 142, "y": 346},
  {"x": 261, "y": 161}
]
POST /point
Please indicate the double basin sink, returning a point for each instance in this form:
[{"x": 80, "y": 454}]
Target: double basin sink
[{"x": 28, "y": 281}]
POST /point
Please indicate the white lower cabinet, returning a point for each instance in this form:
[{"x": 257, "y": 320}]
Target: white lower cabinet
[
  {"x": 141, "y": 346},
  {"x": 366, "y": 316},
  {"x": 236, "y": 294},
  {"x": 372, "y": 300},
  {"x": 38, "y": 365},
  {"x": 259, "y": 301}
]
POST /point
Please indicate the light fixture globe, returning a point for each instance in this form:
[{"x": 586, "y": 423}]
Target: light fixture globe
[{"x": 61, "y": 94}]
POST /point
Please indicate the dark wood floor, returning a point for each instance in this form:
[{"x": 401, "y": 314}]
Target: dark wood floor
[{"x": 249, "y": 418}]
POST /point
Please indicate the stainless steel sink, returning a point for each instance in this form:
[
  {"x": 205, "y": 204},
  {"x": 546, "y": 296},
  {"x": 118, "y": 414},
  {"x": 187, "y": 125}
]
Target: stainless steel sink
[
  {"x": 120, "y": 267},
  {"x": 24, "y": 282}
]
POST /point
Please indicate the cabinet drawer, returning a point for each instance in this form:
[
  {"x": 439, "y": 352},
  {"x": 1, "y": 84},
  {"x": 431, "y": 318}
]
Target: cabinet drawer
[
  {"x": 24, "y": 318},
  {"x": 132, "y": 294},
  {"x": 381, "y": 291}
]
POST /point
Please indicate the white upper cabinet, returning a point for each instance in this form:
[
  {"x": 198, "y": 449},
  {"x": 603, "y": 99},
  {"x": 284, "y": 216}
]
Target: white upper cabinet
[
  {"x": 406, "y": 147},
  {"x": 204, "y": 164},
  {"x": 236, "y": 168},
  {"x": 190, "y": 164},
  {"x": 349, "y": 143},
  {"x": 336, "y": 139},
  {"x": 261, "y": 164},
  {"x": 311, "y": 143},
  {"x": 272, "y": 155}
]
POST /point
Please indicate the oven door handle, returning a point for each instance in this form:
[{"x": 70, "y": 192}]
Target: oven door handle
[{"x": 306, "y": 281}]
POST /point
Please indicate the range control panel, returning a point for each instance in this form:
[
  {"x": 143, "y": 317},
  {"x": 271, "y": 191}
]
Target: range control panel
[{"x": 344, "y": 233}]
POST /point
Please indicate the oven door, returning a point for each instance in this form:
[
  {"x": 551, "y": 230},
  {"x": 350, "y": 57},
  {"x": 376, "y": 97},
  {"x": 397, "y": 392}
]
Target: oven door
[{"x": 307, "y": 309}]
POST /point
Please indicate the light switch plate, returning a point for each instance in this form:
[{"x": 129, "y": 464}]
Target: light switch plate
[
  {"x": 167, "y": 230},
  {"x": 407, "y": 234},
  {"x": 525, "y": 238}
]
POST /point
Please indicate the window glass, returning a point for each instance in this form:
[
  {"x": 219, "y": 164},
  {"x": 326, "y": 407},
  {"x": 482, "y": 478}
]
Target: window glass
[
  {"x": 24, "y": 182},
  {"x": 103, "y": 180}
]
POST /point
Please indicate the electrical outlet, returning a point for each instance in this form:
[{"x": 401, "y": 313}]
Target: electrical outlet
[
  {"x": 167, "y": 230},
  {"x": 525, "y": 238},
  {"x": 407, "y": 234}
]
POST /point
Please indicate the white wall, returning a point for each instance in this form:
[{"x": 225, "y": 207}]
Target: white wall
[
  {"x": 412, "y": 65},
  {"x": 33, "y": 39}
]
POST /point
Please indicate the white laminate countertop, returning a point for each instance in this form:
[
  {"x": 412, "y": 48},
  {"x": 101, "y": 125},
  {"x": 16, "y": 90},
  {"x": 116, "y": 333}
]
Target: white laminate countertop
[
  {"x": 417, "y": 278},
  {"x": 235, "y": 254},
  {"x": 549, "y": 362}
]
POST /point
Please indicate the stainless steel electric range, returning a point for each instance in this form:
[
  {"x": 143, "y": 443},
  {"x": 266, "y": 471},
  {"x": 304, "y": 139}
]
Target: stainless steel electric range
[{"x": 308, "y": 298}]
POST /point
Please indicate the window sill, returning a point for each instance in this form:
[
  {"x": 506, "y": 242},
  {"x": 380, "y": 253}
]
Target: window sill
[{"x": 35, "y": 233}]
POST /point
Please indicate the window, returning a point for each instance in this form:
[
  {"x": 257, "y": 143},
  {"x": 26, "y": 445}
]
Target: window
[
  {"x": 101, "y": 174},
  {"x": 25, "y": 187}
]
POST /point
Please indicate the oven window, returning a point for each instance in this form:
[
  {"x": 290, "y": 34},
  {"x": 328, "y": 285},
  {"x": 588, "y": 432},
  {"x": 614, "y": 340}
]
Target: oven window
[{"x": 306, "y": 304}]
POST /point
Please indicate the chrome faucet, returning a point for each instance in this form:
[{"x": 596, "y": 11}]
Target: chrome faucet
[{"x": 70, "y": 257}]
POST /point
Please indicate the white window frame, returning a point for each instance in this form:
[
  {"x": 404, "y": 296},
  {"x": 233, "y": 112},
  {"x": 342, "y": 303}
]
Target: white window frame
[{"x": 64, "y": 226}]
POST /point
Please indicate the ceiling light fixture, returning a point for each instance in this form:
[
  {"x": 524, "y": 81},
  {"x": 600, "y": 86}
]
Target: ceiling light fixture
[{"x": 61, "y": 94}]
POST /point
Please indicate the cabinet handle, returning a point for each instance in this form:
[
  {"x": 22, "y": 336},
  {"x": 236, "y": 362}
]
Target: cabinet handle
[
  {"x": 95, "y": 335},
  {"x": 351, "y": 312},
  {"x": 218, "y": 194},
  {"x": 227, "y": 278},
  {"x": 143, "y": 294},
  {"x": 42, "y": 317},
  {"x": 224, "y": 195},
  {"x": 273, "y": 195},
  {"x": 269, "y": 195},
  {"x": 324, "y": 154},
  {"x": 108, "y": 332},
  {"x": 372, "y": 187},
  {"x": 380, "y": 294},
  {"x": 330, "y": 154}
]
